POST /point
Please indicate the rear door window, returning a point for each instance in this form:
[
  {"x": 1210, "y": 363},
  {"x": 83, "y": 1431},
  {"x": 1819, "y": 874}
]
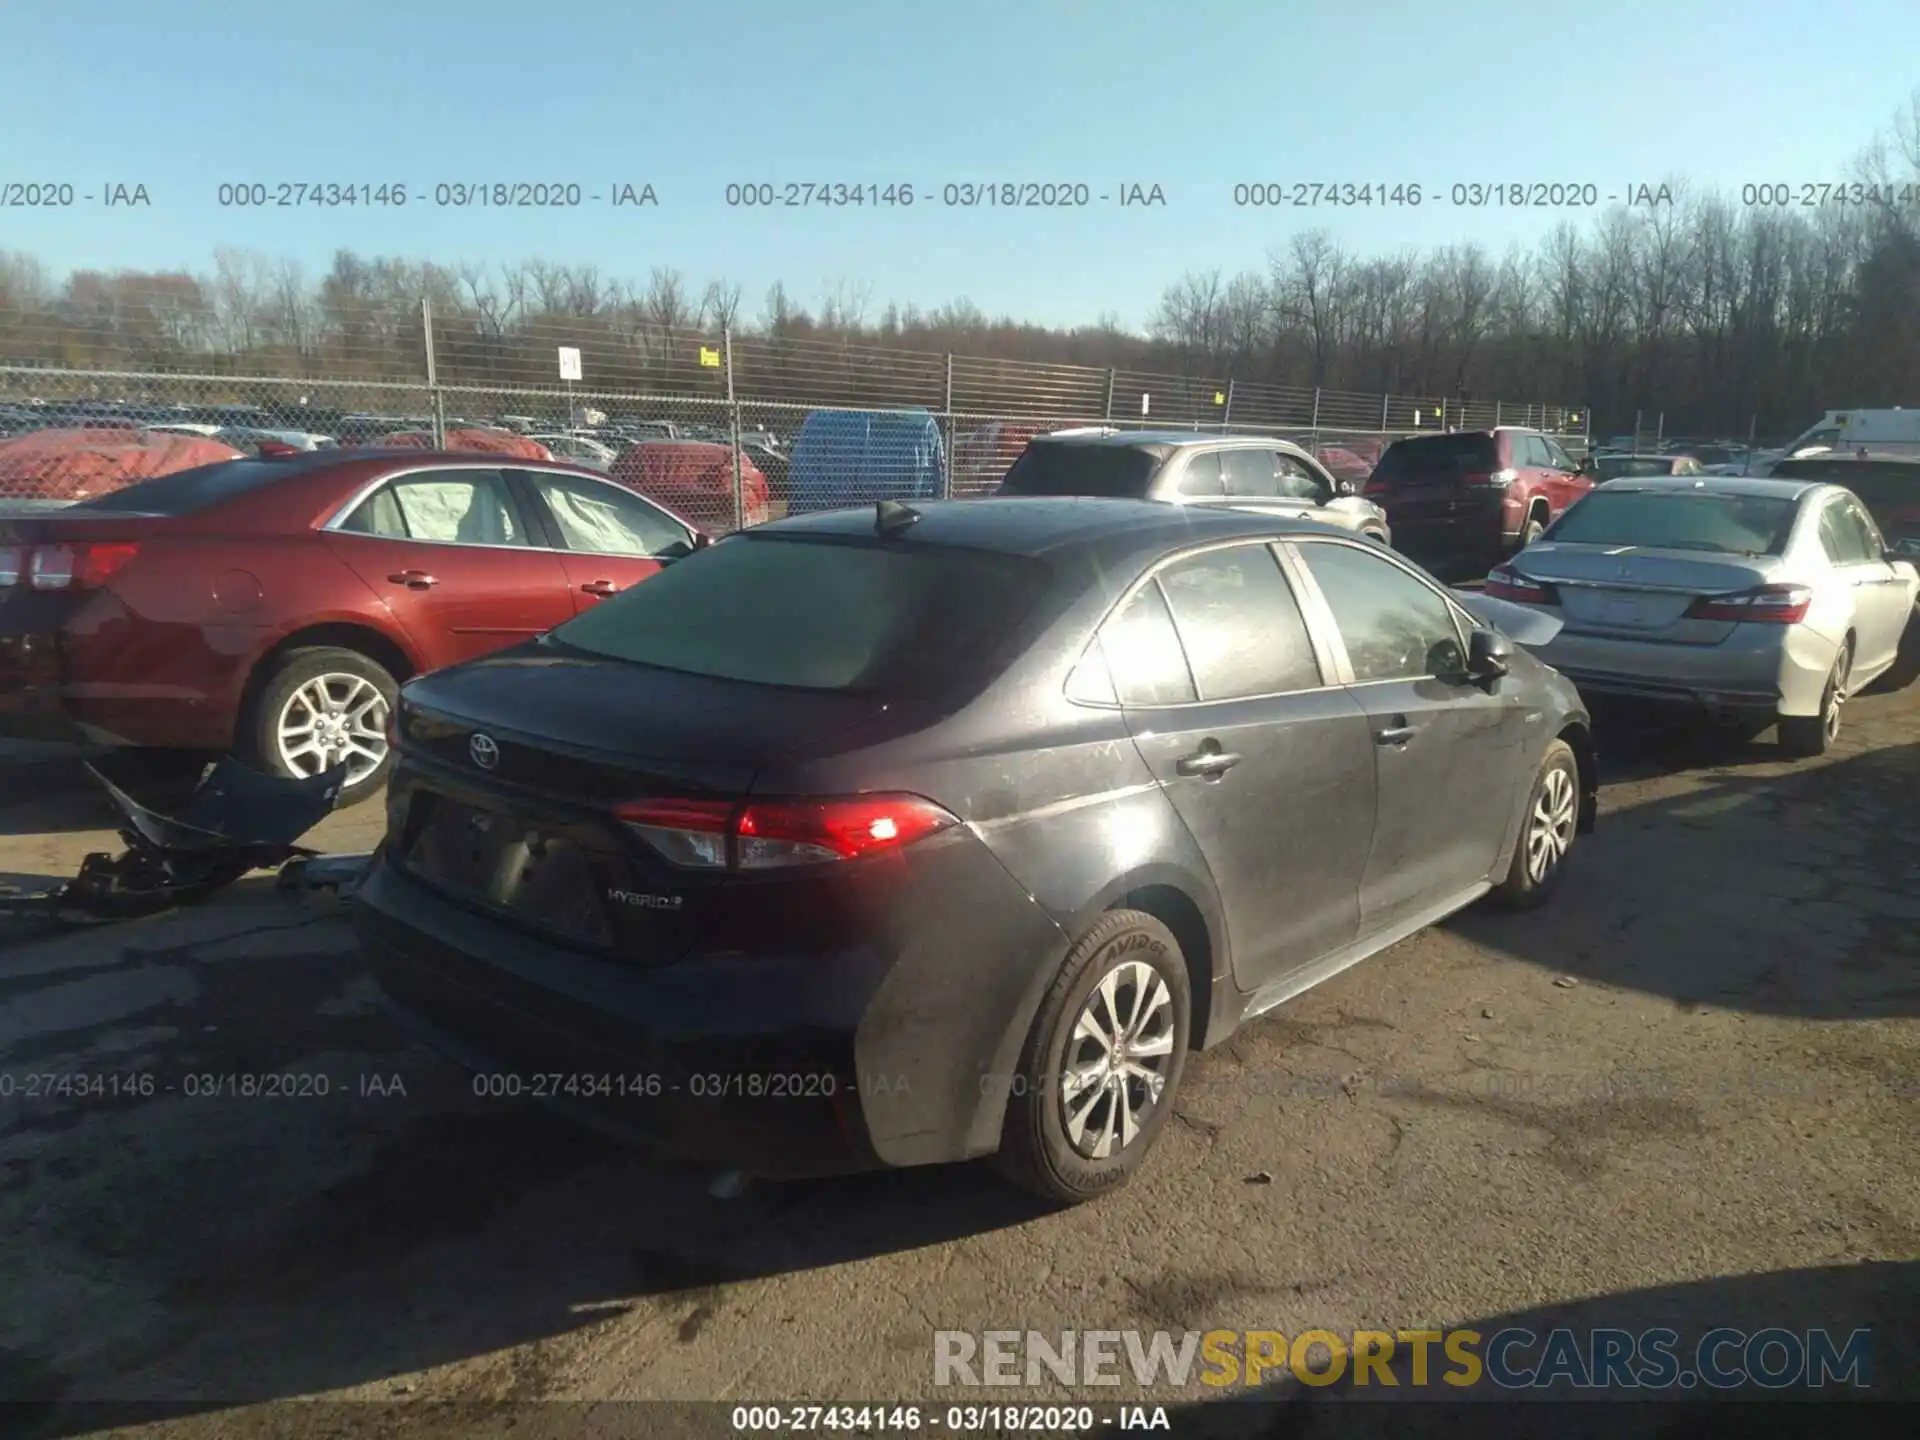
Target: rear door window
[
  {"x": 1249, "y": 474},
  {"x": 1239, "y": 624},
  {"x": 445, "y": 507},
  {"x": 1202, "y": 477},
  {"x": 1872, "y": 544}
]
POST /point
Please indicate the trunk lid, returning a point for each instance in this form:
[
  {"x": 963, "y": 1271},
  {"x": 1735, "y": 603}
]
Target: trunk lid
[
  {"x": 1641, "y": 591},
  {"x": 522, "y": 825}
]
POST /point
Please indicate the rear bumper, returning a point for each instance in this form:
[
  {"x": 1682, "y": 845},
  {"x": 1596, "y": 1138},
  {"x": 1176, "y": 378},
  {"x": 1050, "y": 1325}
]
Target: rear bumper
[
  {"x": 1480, "y": 528},
  {"x": 1754, "y": 676},
  {"x": 783, "y": 1065}
]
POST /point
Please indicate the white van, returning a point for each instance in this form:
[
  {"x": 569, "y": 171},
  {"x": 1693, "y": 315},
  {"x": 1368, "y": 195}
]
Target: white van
[{"x": 1880, "y": 432}]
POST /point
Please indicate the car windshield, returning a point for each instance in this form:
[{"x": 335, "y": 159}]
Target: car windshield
[
  {"x": 1679, "y": 520},
  {"x": 1441, "y": 455},
  {"x": 1113, "y": 472},
  {"x": 818, "y": 614}
]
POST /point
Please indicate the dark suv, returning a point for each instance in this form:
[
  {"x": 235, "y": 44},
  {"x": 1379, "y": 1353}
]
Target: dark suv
[{"x": 1476, "y": 495}]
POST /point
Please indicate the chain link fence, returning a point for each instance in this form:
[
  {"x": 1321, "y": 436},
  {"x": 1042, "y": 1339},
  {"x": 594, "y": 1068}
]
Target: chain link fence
[{"x": 730, "y": 429}]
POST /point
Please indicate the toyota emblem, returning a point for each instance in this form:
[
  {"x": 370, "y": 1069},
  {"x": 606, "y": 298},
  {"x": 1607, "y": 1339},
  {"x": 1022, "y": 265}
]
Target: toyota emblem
[{"x": 485, "y": 753}]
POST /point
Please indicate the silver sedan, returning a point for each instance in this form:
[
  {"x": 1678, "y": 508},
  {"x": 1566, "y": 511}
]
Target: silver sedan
[{"x": 1753, "y": 601}]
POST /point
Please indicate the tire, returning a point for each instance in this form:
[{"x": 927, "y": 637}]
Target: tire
[
  {"x": 1037, "y": 1150},
  {"x": 1548, "y": 827},
  {"x": 292, "y": 686},
  {"x": 1805, "y": 736}
]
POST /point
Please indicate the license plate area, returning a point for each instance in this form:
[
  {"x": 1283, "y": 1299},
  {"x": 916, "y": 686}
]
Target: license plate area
[
  {"x": 510, "y": 864},
  {"x": 1622, "y": 609}
]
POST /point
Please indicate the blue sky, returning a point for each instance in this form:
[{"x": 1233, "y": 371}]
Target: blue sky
[{"x": 1193, "y": 97}]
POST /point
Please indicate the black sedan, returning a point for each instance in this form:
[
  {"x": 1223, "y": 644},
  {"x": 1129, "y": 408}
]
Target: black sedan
[{"x": 900, "y": 836}]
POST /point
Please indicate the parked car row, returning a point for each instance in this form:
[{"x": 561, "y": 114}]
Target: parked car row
[{"x": 927, "y": 830}]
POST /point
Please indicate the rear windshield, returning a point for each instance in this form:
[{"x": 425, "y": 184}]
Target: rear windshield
[
  {"x": 1679, "y": 520},
  {"x": 817, "y": 615},
  {"x": 1440, "y": 456},
  {"x": 185, "y": 491},
  {"x": 1111, "y": 472},
  {"x": 1612, "y": 467}
]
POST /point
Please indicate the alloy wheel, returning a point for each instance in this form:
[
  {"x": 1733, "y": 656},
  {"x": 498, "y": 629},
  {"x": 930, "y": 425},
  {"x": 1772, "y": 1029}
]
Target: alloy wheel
[
  {"x": 1550, "y": 827},
  {"x": 331, "y": 720},
  {"x": 1116, "y": 1061}
]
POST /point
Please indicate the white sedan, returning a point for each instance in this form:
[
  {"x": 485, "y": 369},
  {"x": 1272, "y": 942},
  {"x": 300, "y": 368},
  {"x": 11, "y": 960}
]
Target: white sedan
[{"x": 1754, "y": 602}]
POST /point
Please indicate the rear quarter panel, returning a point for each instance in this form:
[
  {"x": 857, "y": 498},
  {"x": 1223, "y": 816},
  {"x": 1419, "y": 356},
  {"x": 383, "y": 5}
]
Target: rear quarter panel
[
  {"x": 164, "y": 656},
  {"x": 1062, "y": 801}
]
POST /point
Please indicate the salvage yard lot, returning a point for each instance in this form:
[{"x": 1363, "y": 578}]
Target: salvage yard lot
[{"x": 1684, "y": 1089}]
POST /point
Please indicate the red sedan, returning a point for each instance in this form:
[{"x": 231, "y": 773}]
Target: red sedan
[{"x": 271, "y": 607}]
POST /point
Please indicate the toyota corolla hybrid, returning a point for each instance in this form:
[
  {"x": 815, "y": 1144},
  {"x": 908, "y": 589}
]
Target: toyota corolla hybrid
[{"x": 908, "y": 835}]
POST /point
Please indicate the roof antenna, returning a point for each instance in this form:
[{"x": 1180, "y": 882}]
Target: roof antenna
[{"x": 890, "y": 517}]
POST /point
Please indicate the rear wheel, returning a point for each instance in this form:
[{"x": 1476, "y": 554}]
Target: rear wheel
[
  {"x": 1101, "y": 1065},
  {"x": 1547, "y": 830},
  {"x": 320, "y": 708},
  {"x": 1804, "y": 736}
]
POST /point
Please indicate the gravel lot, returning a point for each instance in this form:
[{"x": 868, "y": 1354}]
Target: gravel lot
[{"x": 1685, "y": 1089}]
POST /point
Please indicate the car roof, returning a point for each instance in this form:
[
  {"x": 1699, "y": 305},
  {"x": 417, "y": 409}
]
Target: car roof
[
  {"x": 1716, "y": 485},
  {"x": 1181, "y": 438},
  {"x": 1052, "y": 525}
]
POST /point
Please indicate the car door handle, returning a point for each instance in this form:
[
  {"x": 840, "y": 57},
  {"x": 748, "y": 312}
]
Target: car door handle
[
  {"x": 1397, "y": 734},
  {"x": 414, "y": 579},
  {"x": 600, "y": 587},
  {"x": 1208, "y": 764}
]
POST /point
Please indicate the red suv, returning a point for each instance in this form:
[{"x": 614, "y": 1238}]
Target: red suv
[
  {"x": 272, "y": 606},
  {"x": 1476, "y": 495}
]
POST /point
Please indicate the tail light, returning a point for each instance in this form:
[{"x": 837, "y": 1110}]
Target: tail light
[
  {"x": 77, "y": 567},
  {"x": 1506, "y": 583},
  {"x": 13, "y": 561},
  {"x": 1766, "y": 604},
  {"x": 771, "y": 834},
  {"x": 1495, "y": 480}
]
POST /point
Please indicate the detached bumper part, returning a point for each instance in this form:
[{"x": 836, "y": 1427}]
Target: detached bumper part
[{"x": 237, "y": 820}]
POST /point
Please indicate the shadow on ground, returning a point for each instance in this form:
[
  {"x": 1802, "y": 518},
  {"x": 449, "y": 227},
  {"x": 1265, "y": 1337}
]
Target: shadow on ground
[
  {"x": 317, "y": 1242},
  {"x": 1780, "y": 894},
  {"x": 1882, "y": 1298}
]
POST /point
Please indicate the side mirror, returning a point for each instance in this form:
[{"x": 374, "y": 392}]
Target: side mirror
[
  {"x": 701, "y": 540},
  {"x": 1345, "y": 487},
  {"x": 1489, "y": 654},
  {"x": 678, "y": 550}
]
